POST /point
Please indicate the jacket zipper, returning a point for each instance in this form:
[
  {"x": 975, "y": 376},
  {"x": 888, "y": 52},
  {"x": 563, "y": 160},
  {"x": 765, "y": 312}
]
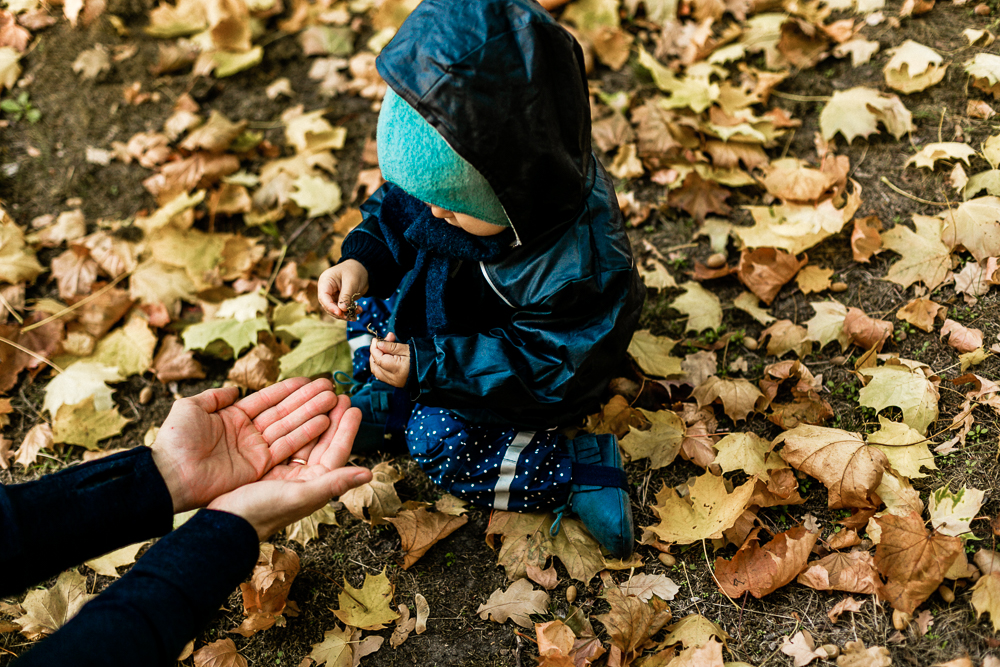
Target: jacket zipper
[{"x": 482, "y": 266}]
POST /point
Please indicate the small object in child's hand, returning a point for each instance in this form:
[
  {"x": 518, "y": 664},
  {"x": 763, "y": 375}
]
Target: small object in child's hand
[
  {"x": 373, "y": 332},
  {"x": 351, "y": 312}
]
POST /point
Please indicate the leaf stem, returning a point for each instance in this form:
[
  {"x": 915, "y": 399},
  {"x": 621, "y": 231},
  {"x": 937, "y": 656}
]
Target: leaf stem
[
  {"x": 712, "y": 572},
  {"x": 913, "y": 197},
  {"x": 78, "y": 304},
  {"x": 31, "y": 353}
]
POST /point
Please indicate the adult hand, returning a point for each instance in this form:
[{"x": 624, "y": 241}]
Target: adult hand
[
  {"x": 339, "y": 284},
  {"x": 209, "y": 445},
  {"x": 390, "y": 361},
  {"x": 294, "y": 490}
]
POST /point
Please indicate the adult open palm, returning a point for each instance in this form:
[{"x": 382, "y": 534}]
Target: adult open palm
[{"x": 211, "y": 444}]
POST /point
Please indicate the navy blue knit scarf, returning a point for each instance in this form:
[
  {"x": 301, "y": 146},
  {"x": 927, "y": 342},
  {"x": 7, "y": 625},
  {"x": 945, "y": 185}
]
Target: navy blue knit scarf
[{"x": 420, "y": 310}]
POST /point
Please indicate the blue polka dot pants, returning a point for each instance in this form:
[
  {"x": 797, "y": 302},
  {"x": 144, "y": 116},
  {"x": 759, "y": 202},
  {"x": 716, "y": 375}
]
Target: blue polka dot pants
[{"x": 500, "y": 468}]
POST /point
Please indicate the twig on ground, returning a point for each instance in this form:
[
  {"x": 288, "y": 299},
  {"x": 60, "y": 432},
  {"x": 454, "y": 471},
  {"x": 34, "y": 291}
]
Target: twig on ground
[
  {"x": 78, "y": 304},
  {"x": 10, "y": 309},
  {"x": 906, "y": 194},
  {"x": 30, "y": 353},
  {"x": 800, "y": 98}
]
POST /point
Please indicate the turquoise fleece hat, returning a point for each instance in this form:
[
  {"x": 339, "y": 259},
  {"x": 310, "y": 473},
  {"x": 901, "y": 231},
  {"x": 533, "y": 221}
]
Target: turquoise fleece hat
[{"x": 414, "y": 156}]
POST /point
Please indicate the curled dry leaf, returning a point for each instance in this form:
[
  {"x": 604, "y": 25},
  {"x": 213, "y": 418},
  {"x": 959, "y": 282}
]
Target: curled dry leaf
[
  {"x": 738, "y": 397},
  {"x": 856, "y": 655},
  {"x": 921, "y": 313},
  {"x": 517, "y": 603},
  {"x": 37, "y": 439},
  {"x": 960, "y": 337},
  {"x": 419, "y": 530},
  {"x": 631, "y": 623},
  {"x": 864, "y": 331},
  {"x": 762, "y": 570},
  {"x": 764, "y": 271},
  {"x": 866, "y": 239},
  {"x": 801, "y": 648},
  {"x": 221, "y": 653},
  {"x": 913, "y": 561},
  {"x": 845, "y": 605},
  {"x": 404, "y": 626},
  {"x": 850, "y": 469},
  {"x": 377, "y": 499},
  {"x": 173, "y": 362},
  {"x": 266, "y": 596},
  {"x": 786, "y": 336}
]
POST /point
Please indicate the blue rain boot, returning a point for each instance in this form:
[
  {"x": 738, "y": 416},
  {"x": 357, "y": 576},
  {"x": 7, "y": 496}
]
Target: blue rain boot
[
  {"x": 375, "y": 400},
  {"x": 598, "y": 493}
]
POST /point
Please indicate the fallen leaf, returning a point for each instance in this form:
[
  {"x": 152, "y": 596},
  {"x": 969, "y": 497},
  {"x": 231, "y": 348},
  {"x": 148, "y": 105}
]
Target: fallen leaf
[
  {"x": 986, "y": 597},
  {"x": 699, "y": 197},
  {"x": 78, "y": 382},
  {"x": 516, "y": 604},
  {"x": 960, "y": 337},
  {"x": 847, "y": 467},
  {"x": 404, "y": 626},
  {"x": 377, "y": 499},
  {"x": 921, "y": 313},
  {"x": 905, "y": 448},
  {"x": 221, "y": 653},
  {"x": 801, "y": 648},
  {"x": 336, "y": 648},
  {"x": 107, "y": 564},
  {"x": 845, "y": 605},
  {"x": 948, "y": 150},
  {"x": 855, "y": 654},
  {"x": 660, "y": 444},
  {"x": 764, "y": 271},
  {"x": 749, "y": 304},
  {"x": 909, "y": 390},
  {"x": 645, "y": 586},
  {"x": 39, "y": 437},
  {"x": 631, "y": 622},
  {"x": 235, "y": 334},
  {"x": 707, "y": 511},
  {"x": 912, "y": 560},
  {"x": 858, "y": 111},
  {"x": 861, "y": 50},
  {"x": 255, "y": 370},
  {"x": 852, "y": 572},
  {"x": 748, "y": 452},
  {"x": 864, "y": 331},
  {"x": 813, "y": 279},
  {"x": 82, "y": 424},
  {"x": 130, "y": 348},
  {"x": 307, "y": 529},
  {"x": 709, "y": 655},
  {"x": 47, "y": 610},
  {"x": 925, "y": 258},
  {"x": 322, "y": 348},
  {"x": 984, "y": 69},
  {"x": 174, "y": 363},
  {"x": 652, "y": 353},
  {"x": 827, "y": 325},
  {"x": 866, "y": 239},
  {"x": 786, "y": 336},
  {"x": 738, "y": 397},
  {"x": 75, "y": 272},
  {"x": 951, "y": 513},
  {"x": 90, "y": 63},
  {"x": 266, "y": 596},
  {"x": 368, "y": 608},
  {"x": 420, "y": 530},
  {"x": 762, "y": 570},
  {"x": 547, "y": 579},
  {"x": 913, "y": 67},
  {"x": 702, "y": 307},
  {"x": 974, "y": 225}
]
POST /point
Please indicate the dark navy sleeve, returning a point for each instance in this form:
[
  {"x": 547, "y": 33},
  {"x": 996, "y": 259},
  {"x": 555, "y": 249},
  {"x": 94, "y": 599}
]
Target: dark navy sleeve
[
  {"x": 161, "y": 604},
  {"x": 378, "y": 241},
  {"x": 79, "y": 513}
]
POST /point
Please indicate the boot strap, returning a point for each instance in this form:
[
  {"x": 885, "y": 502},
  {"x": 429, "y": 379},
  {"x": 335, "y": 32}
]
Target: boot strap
[{"x": 585, "y": 474}]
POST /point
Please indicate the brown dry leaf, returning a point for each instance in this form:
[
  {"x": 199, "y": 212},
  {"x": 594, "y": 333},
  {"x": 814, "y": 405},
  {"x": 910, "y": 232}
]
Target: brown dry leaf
[
  {"x": 517, "y": 603},
  {"x": 866, "y": 332},
  {"x": 215, "y": 135},
  {"x": 738, "y": 397},
  {"x": 856, "y": 655},
  {"x": 37, "y": 439},
  {"x": 986, "y": 597},
  {"x": 912, "y": 560},
  {"x": 11, "y": 34},
  {"x": 786, "y": 336},
  {"x": 700, "y": 197},
  {"x": 789, "y": 179},
  {"x": 420, "y": 530},
  {"x": 922, "y": 313},
  {"x": 845, "y": 605},
  {"x": 979, "y": 109},
  {"x": 660, "y": 443},
  {"x": 266, "y": 596},
  {"x": 801, "y": 648},
  {"x": 617, "y": 417},
  {"x": 866, "y": 239},
  {"x": 852, "y": 572},
  {"x": 631, "y": 623},
  {"x": 762, "y": 570},
  {"x": 307, "y": 529},
  {"x": 813, "y": 279},
  {"x": 765, "y": 270},
  {"x": 645, "y": 586},
  {"x": 221, "y": 653},
  {"x": 974, "y": 225},
  {"x": 255, "y": 370},
  {"x": 404, "y": 626},
  {"x": 960, "y": 337},
  {"x": 75, "y": 272},
  {"x": 850, "y": 469},
  {"x": 173, "y": 362},
  {"x": 924, "y": 257},
  {"x": 707, "y": 510},
  {"x": 806, "y": 407},
  {"x": 547, "y": 579},
  {"x": 377, "y": 499},
  {"x": 708, "y": 655},
  {"x": 109, "y": 563},
  {"x": 47, "y": 610}
]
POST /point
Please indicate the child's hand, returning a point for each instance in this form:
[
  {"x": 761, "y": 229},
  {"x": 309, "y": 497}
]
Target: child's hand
[
  {"x": 339, "y": 284},
  {"x": 390, "y": 361}
]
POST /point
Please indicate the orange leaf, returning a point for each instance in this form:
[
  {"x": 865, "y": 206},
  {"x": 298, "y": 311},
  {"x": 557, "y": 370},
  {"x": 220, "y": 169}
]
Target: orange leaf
[
  {"x": 912, "y": 560},
  {"x": 961, "y": 338},
  {"x": 700, "y": 197},
  {"x": 420, "y": 530},
  {"x": 921, "y": 313},
  {"x": 865, "y": 239},
  {"x": 765, "y": 270},
  {"x": 762, "y": 570},
  {"x": 852, "y": 573},
  {"x": 866, "y": 332},
  {"x": 222, "y": 653}
]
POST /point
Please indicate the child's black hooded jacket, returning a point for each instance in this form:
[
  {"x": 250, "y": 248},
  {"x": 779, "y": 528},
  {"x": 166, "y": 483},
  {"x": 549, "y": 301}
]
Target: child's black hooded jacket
[{"x": 544, "y": 327}]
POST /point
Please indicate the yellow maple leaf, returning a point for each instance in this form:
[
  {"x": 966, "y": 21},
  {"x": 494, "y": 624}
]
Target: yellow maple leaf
[
  {"x": 368, "y": 607},
  {"x": 707, "y": 510}
]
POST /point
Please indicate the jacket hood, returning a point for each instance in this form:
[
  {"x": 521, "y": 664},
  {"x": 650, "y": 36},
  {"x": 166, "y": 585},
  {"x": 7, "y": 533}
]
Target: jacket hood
[{"x": 505, "y": 86}]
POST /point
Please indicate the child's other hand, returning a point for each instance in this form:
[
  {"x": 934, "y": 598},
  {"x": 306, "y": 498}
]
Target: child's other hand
[
  {"x": 337, "y": 286},
  {"x": 390, "y": 361}
]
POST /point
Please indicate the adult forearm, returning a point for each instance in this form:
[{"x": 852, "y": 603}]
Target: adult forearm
[
  {"x": 164, "y": 601},
  {"x": 84, "y": 511}
]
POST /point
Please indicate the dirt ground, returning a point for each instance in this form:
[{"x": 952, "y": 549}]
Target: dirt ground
[{"x": 458, "y": 574}]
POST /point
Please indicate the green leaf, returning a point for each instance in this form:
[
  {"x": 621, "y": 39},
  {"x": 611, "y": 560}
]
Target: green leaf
[
  {"x": 81, "y": 424},
  {"x": 237, "y": 335},
  {"x": 322, "y": 348},
  {"x": 10, "y": 106}
]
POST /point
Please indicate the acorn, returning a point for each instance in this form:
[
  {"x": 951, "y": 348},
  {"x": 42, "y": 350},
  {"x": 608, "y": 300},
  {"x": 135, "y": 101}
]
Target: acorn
[
  {"x": 901, "y": 619},
  {"x": 716, "y": 261},
  {"x": 838, "y": 287},
  {"x": 667, "y": 560},
  {"x": 571, "y": 594},
  {"x": 946, "y": 594},
  {"x": 982, "y": 9},
  {"x": 839, "y": 360},
  {"x": 901, "y": 336},
  {"x": 832, "y": 650},
  {"x": 145, "y": 395},
  {"x": 750, "y": 343}
]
